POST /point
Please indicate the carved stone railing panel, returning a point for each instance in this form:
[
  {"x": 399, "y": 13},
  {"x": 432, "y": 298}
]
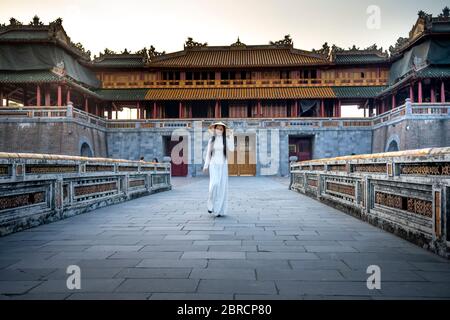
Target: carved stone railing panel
[
  {"x": 38, "y": 188},
  {"x": 404, "y": 192}
]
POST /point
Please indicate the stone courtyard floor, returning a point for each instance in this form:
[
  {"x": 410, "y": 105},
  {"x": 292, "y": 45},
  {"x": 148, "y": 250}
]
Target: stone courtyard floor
[{"x": 274, "y": 244}]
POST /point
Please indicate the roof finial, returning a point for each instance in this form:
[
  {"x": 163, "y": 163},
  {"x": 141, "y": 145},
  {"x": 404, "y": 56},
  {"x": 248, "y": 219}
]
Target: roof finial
[{"x": 238, "y": 43}]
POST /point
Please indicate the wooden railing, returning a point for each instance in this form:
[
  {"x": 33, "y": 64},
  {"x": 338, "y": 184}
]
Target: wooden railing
[
  {"x": 413, "y": 109},
  {"x": 41, "y": 188},
  {"x": 245, "y": 83},
  {"x": 405, "y": 192}
]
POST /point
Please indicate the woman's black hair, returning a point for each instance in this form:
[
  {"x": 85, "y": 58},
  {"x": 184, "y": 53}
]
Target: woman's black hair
[{"x": 224, "y": 138}]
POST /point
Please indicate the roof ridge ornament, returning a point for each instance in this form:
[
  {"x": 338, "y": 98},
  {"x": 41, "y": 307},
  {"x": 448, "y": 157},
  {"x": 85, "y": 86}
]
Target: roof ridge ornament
[
  {"x": 190, "y": 43},
  {"x": 238, "y": 43},
  {"x": 325, "y": 50},
  {"x": 36, "y": 21},
  {"x": 286, "y": 41}
]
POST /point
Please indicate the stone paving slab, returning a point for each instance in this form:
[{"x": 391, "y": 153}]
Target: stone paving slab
[{"x": 273, "y": 244}]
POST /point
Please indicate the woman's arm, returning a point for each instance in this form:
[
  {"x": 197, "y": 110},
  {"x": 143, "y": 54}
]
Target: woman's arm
[{"x": 208, "y": 155}]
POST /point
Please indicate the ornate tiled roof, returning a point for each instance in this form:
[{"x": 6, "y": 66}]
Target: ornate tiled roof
[
  {"x": 427, "y": 72},
  {"x": 358, "y": 92},
  {"x": 118, "y": 61},
  {"x": 263, "y": 93},
  {"x": 36, "y": 31},
  {"x": 239, "y": 93},
  {"x": 354, "y": 55},
  {"x": 254, "y": 56},
  {"x": 42, "y": 76},
  {"x": 35, "y": 76},
  {"x": 125, "y": 59},
  {"x": 238, "y": 54},
  {"x": 434, "y": 72},
  {"x": 425, "y": 25}
]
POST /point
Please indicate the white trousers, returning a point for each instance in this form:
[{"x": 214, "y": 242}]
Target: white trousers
[{"x": 218, "y": 188}]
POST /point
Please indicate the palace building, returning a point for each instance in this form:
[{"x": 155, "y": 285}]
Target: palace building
[{"x": 253, "y": 87}]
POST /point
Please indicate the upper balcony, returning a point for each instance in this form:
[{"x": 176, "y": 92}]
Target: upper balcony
[{"x": 260, "y": 83}]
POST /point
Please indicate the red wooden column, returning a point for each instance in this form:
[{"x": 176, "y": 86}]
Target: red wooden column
[
  {"x": 420, "y": 92},
  {"x": 339, "y": 109},
  {"x": 110, "y": 113},
  {"x": 1, "y": 97},
  {"x": 154, "y": 110},
  {"x": 180, "y": 110},
  {"x": 393, "y": 100},
  {"x": 38, "y": 95},
  {"x": 86, "y": 104},
  {"x": 322, "y": 108},
  {"x": 411, "y": 93},
  {"x": 296, "y": 108},
  {"x": 47, "y": 97},
  {"x": 68, "y": 96},
  {"x": 59, "y": 96},
  {"x": 190, "y": 110},
  {"x": 258, "y": 109},
  {"x": 442, "y": 91},
  {"x": 432, "y": 93},
  {"x": 382, "y": 106},
  {"x": 217, "y": 109}
]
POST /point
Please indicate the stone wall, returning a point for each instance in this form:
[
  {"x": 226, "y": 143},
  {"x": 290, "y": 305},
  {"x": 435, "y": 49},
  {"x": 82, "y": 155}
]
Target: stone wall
[
  {"x": 404, "y": 192},
  {"x": 39, "y": 188},
  {"x": 53, "y": 136},
  {"x": 131, "y": 144},
  {"x": 412, "y": 133}
]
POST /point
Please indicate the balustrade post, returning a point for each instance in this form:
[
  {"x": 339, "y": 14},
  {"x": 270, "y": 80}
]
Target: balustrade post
[
  {"x": 70, "y": 110},
  {"x": 408, "y": 106}
]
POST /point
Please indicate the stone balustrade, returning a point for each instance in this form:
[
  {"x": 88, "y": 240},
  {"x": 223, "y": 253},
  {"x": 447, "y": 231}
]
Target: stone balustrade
[
  {"x": 405, "y": 192},
  {"x": 41, "y": 188},
  {"x": 410, "y": 110}
]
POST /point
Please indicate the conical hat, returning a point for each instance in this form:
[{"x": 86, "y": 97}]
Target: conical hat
[{"x": 211, "y": 126}]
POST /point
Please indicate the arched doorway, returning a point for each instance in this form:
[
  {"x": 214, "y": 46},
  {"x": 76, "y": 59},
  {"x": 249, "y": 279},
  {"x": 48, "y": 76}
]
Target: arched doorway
[
  {"x": 86, "y": 150},
  {"x": 393, "y": 146}
]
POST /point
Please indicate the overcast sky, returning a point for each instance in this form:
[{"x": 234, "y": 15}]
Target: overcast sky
[{"x": 134, "y": 24}]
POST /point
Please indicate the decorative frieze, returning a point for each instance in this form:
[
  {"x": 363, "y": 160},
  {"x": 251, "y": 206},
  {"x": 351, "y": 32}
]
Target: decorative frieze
[
  {"x": 21, "y": 200},
  {"x": 50, "y": 169},
  {"x": 412, "y": 205},
  {"x": 95, "y": 188},
  {"x": 337, "y": 167},
  {"x": 4, "y": 170},
  {"x": 98, "y": 168},
  {"x": 127, "y": 168},
  {"x": 370, "y": 168},
  {"x": 426, "y": 169},
  {"x": 341, "y": 188}
]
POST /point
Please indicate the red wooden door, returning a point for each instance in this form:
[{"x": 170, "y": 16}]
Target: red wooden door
[{"x": 300, "y": 147}]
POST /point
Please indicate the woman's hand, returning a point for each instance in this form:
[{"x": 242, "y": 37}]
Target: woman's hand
[{"x": 205, "y": 170}]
